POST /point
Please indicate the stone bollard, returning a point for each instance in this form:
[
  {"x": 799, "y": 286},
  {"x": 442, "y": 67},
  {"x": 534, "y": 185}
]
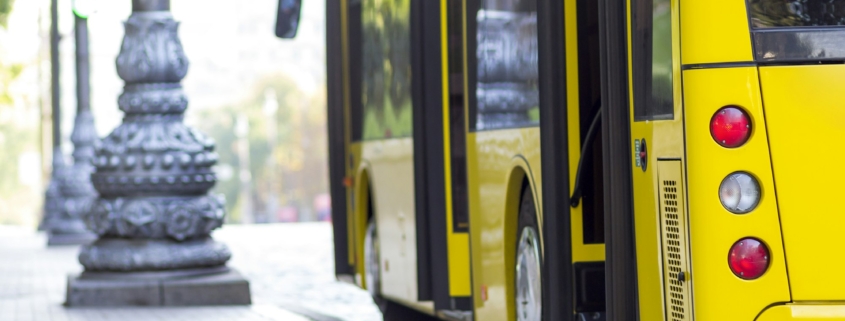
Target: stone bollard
[{"x": 154, "y": 214}]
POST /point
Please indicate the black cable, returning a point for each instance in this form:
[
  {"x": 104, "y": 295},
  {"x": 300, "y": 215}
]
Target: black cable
[{"x": 576, "y": 193}]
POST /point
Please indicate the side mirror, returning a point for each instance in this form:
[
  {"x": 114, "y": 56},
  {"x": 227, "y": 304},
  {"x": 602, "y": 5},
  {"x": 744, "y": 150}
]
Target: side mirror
[{"x": 287, "y": 18}]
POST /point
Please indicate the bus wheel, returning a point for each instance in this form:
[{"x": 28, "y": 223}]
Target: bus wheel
[
  {"x": 529, "y": 285},
  {"x": 372, "y": 265}
]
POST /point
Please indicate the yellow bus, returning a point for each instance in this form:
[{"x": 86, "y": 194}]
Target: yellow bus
[{"x": 589, "y": 159}]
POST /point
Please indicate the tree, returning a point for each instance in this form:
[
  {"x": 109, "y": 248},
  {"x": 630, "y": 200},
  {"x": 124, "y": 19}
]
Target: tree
[
  {"x": 287, "y": 149},
  {"x": 5, "y": 10}
]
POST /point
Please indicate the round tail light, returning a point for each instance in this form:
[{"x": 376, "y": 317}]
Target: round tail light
[
  {"x": 739, "y": 193},
  {"x": 749, "y": 258},
  {"x": 730, "y": 127}
]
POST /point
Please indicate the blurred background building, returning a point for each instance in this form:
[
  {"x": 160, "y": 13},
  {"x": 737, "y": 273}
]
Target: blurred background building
[{"x": 261, "y": 98}]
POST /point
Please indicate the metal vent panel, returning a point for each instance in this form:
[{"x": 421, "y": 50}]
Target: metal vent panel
[{"x": 677, "y": 286}]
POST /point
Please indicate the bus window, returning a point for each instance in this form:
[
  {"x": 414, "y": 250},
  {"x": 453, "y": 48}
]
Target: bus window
[
  {"x": 652, "y": 60},
  {"x": 507, "y": 93},
  {"x": 386, "y": 69},
  {"x": 796, "y": 13},
  {"x": 795, "y": 31}
]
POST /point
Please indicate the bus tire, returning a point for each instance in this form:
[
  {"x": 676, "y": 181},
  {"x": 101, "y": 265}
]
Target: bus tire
[
  {"x": 528, "y": 289},
  {"x": 372, "y": 265}
]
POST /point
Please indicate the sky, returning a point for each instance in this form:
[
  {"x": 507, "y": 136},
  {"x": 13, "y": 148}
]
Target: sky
[{"x": 229, "y": 45}]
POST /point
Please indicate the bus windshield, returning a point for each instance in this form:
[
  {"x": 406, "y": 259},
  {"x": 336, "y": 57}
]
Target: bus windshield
[{"x": 766, "y": 14}]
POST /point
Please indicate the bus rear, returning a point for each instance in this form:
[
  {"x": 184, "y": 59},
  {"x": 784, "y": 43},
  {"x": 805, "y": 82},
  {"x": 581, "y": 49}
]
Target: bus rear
[{"x": 764, "y": 115}]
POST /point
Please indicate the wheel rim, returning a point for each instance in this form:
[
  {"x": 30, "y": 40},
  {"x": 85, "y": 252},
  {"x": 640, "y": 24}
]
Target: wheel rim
[
  {"x": 529, "y": 294},
  {"x": 371, "y": 260}
]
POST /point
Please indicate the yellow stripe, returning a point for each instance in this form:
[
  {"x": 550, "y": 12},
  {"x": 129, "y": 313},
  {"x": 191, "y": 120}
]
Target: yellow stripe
[{"x": 447, "y": 152}]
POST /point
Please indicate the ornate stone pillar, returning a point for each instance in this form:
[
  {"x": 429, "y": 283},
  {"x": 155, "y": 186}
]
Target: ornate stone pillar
[
  {"x": 70, "y": 191},
  {"x": 154, "y": 213}
]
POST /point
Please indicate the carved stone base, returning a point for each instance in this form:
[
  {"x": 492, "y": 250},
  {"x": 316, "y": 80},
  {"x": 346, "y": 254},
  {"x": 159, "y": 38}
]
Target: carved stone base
[
  {"x": 214, "y": 286},
  {"x": 59, "y": 239},
  {"x": 138, "y": 255}
]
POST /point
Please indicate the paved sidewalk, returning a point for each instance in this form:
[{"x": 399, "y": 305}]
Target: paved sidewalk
[{"x": 288, "y": 265}]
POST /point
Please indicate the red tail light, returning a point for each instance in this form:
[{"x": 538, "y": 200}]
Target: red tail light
[
  {"x": 730, "y": 127},
  {"x": 749, "y": 258}
]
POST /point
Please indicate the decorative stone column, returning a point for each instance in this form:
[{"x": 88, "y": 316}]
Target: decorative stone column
[
  {"x": 70, "y": 191},
  {"x": 154, "y": 213}
]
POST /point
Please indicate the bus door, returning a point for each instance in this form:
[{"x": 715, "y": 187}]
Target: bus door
[
  {"x": 440, "y": 160},
  {"x": 379, "y": 91},
  {"x": 624, "y": 150},
  {"x": 404, "y": 165},
  {"x": 574, "y": 141},
  {"x": 340, "y": 168}
]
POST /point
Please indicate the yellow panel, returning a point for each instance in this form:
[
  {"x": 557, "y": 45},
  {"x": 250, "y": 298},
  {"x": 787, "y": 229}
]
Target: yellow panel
[
  {"x": 647, "y": 220},
  {"x": 806, "y": 121},
  {"x": 797, "y": 312},
  {"x": 719, "y": 294},
  {"x": 673, "y": 226},
  {"x": 495, "y": 161},
  {"x": 664, "y": 140},
  {"x": 714, "y": 31},
  {"x": 459, "y": 278}
]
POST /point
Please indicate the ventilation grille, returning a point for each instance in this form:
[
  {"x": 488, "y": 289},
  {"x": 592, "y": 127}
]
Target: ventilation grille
[{"x": 676, "y": 276}]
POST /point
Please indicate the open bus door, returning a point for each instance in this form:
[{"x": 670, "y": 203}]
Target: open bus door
[
  {"x": 602, "y": 198},
  {"x": 437, "y": 260},
  {"x": 598, "y": 214},
  {"x": 338, "y": 143}
]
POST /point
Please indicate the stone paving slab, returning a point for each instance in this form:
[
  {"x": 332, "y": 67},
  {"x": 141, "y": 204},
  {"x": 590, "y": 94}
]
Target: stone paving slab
[{"x": 288, "y": 265}]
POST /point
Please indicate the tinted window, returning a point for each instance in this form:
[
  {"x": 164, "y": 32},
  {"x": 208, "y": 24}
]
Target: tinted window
[
  {"x": 386, "y": 69},
  {"x": 652, "y": 54},
  {"x": 796, "y": 13},
  {"x": 506, "y": 90}
]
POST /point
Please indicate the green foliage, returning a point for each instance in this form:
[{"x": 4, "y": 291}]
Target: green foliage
[
  {"x": 19, "y": 201},
  {"x": 7, "y": 75},
  {"x": 291, "y": 166},
  {"x": 5, "y": 10}
]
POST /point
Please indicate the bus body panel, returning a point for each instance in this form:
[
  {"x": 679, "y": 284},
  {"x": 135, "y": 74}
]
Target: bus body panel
[
  {"x": 718, "y": 293},
  {"x": 391, "y": 180},
  {"x": 802, "y": 312},
  {"x": 497, "y": 162},
  {"x": 714, "y": 32},
  {"x": 806, "y": 121},
  {"x": 664, "y": 140}
]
